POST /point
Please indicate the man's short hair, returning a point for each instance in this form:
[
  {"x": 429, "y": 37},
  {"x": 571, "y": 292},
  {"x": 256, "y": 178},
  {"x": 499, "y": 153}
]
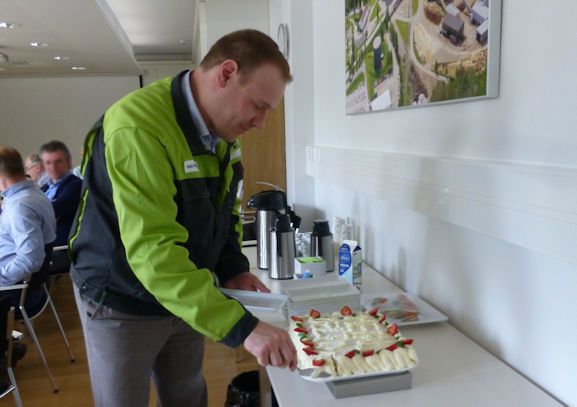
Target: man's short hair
[
  {"x": 250, "y": 49},
  {"x": 53, "y": 146},
  {"x": 11, "y": 164},
  {"x": 34, "y": 159}
]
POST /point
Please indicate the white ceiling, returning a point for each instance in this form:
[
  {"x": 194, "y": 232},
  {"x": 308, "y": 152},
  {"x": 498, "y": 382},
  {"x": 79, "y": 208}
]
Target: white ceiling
[{"x": 105, "y": 37}]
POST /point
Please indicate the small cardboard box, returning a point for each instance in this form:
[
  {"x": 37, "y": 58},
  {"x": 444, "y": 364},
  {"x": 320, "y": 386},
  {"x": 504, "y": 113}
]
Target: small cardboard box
[{"x": 315, "y": 266}]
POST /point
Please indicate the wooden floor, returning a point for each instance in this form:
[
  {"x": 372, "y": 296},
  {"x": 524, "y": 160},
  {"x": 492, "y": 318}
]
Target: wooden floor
[{"x": 73, "y": 378}]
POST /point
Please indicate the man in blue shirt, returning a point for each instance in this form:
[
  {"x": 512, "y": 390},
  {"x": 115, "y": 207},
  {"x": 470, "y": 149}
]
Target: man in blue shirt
[
  {"x": 27, "y": 222},
  {"x": 63, "y": 188}
]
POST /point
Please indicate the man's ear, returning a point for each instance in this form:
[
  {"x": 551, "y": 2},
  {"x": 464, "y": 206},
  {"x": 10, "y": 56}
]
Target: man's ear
[{"x": 226, "y": 71}]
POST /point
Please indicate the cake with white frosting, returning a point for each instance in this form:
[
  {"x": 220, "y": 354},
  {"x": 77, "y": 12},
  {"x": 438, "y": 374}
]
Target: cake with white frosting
[{"x": 347, "y": 343}]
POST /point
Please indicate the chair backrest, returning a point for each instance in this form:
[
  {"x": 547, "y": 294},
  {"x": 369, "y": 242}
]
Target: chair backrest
[
  {"x": 41, "y": 275},
  {"x": 60, "y": 263}
]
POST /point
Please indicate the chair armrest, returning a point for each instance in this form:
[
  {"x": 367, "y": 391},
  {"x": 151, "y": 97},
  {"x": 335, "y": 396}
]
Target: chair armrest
[{"x": 14, "y": 287}]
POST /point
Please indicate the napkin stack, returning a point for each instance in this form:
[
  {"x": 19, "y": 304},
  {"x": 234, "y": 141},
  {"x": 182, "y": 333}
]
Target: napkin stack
[{"x": 324, "y": 294}]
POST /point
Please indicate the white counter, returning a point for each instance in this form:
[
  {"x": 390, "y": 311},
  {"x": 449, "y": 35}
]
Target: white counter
[{"x": 453, "y": 370}]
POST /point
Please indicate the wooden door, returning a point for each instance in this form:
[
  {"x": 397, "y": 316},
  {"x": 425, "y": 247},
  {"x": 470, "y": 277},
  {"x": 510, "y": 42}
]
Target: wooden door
[{"x": 263, "y": 156}]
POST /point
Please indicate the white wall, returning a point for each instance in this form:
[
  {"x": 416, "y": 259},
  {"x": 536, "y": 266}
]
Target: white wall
[
  {"x": 517, "y": 301},
  {"x": 36, "y": 110},
  {"x": 225, "y": 16},
  {"x": 155, "y": 70},
  {"x": 299, "y": 102}
]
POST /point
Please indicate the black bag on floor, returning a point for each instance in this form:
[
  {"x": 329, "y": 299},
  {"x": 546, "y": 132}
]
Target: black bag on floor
[{"x": 243, "y": 390}]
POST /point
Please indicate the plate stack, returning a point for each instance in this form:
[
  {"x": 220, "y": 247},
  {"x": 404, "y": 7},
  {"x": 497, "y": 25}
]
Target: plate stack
[{"x": 324, "y": 294}]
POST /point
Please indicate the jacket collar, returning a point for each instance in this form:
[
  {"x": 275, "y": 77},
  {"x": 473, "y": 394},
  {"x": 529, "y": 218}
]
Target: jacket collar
[{"x": 183, "y": 117}]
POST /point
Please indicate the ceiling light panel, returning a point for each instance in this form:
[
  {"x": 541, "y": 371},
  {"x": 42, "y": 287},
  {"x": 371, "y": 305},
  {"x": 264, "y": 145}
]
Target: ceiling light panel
[
  {"x": 81, "y": 30},
  {"x": 9, "y": 26}
]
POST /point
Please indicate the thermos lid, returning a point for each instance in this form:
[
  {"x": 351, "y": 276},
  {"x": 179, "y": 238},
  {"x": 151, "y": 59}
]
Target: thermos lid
[
  {"x": 268, "y": 201},
  {"x": 321, "y": 227}
]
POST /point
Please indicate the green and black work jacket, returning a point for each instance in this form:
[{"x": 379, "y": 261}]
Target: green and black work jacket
[{"x": 159, "y": 212}]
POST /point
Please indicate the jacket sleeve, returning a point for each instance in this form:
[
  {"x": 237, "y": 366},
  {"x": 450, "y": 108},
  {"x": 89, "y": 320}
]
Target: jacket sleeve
[{"x": 143, "y": 191}]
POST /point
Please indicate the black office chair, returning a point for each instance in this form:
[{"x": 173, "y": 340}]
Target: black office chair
[
  {"x": 38, "y": 282},
  {"x": 6, "y": 342}
]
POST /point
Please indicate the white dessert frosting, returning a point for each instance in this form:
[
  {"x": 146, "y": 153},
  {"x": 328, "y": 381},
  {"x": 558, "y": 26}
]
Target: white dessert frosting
[{"x": 334, "y": 336}]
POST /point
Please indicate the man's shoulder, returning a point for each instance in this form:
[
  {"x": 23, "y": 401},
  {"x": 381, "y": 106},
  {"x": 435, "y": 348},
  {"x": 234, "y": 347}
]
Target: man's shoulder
[
  {"x": 44, "y": 178},
  {"x": 71, "y": 184},
  {"x": 71, "y": 180},
  {"x": 30, "y": 200},
  {"x": 150, "y": 97}
]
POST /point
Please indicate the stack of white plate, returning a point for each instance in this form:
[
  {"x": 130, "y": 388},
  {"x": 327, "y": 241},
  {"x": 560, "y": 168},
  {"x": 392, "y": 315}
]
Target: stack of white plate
[{"x": 324, "y": 294}]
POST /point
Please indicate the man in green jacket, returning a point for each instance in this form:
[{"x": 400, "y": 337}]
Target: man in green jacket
[{"x": 160, "y": 214}]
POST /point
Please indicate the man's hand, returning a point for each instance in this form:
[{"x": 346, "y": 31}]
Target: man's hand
[
  {"x": 246, "y": 281},
  {"x": 271, "y": 346}
]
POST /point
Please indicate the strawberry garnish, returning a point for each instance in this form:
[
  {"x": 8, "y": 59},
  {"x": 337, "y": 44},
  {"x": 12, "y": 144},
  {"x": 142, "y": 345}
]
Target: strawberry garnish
[
  {"x": 318, "y": 362},
  {"x": 393, "y": 329},
  {"x": 407, "y": 341},
  {"x": 392, "y": 347},
  {"x": 346, "y": 311},
  {"x": 301, "y": 329},
  {"x": 373, "y": 312},
  {"x": 315, "y": 314},
  {"x": 309, "y": 351},
  {"x": 368, "y": 353},
  {"x": 296, "y": 319},
  {"x": 382, "y": 319},
  {"x": 351, "y": 354},
  {"x": 307, "y": 343}
]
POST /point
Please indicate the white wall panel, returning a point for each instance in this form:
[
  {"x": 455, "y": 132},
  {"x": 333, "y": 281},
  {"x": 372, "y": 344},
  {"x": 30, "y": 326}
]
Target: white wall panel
[
  {"x": 533, "y": 206},
  {"x": 36, "y": 110},
  {"x": 470, "y": 205}
]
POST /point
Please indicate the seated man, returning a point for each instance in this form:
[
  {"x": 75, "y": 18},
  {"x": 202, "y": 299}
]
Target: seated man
[
  {"x": 63, "y": 188},
  {"x": 27, "y": 225},
  {"x": 35, "y": 169}
]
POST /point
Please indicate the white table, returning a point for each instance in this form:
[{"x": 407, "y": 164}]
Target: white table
[{"x": 453, "y": 370}]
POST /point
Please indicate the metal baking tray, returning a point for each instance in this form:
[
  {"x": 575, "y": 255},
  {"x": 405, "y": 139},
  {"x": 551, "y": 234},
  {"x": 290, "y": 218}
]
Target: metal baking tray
[
  {"x": 371, "y": 385},
  {"x": 325, "y": 377}
]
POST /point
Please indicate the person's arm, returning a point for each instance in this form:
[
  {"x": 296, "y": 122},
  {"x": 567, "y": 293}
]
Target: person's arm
[
  {"x": 26, "y": 231},
  {"x": 67, "y": 198},
  {"x": 271, "y": 346},
  {"x": 143, "y": 190}
]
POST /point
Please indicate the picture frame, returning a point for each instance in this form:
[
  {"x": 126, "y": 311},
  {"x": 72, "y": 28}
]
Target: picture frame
[{"x": 414, "y": 53}]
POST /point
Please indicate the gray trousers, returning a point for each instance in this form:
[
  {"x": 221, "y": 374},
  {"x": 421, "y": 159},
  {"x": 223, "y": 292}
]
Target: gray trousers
[{"x": 126, "y": 351}]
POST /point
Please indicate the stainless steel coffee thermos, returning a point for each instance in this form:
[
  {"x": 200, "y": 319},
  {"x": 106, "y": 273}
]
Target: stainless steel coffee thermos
[
  {"x": 264, "y": 220},
  {"x": 271, "y": 207},
  {"x": 267, "y": 205},
  {"x": 282, "y": 249},
  {"x": 322, "y": 243}
]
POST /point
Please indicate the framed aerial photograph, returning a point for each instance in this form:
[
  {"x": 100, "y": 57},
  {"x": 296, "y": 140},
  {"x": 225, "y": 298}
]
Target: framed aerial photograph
[{"x": 404, "y": 53}]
